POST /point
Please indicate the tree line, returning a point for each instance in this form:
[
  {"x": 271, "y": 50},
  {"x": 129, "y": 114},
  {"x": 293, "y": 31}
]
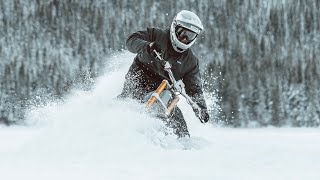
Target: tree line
[{"x": 259, "y": 57}]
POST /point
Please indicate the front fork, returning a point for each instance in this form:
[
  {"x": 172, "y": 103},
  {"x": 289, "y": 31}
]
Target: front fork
[{"x": 156, "y": 96}]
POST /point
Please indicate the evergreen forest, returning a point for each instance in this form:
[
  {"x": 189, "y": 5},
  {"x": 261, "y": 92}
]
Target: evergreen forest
[{"x": 260, "y": 57}]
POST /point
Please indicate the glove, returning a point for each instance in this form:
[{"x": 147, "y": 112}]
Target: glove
[
  {"x": 153, "y": 46},
  {"x": 204, "y": 115}
]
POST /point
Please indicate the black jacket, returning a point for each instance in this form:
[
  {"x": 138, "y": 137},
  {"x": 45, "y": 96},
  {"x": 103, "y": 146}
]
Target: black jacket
[{"x": 146, "y": 72}]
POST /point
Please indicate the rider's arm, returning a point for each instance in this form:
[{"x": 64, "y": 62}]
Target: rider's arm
[
  {"x": 138, "y": 41},
  {"x": 193, "y": 86}
]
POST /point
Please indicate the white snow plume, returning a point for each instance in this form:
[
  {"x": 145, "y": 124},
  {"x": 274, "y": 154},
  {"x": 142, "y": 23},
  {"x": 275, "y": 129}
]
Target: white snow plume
[
  {"x": 95, "y": 126},
  {"x": 96, "y": 122}
]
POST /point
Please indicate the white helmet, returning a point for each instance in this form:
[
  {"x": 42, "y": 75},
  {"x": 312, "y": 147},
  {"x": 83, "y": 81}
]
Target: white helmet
[{"x": 184, "y": 30}]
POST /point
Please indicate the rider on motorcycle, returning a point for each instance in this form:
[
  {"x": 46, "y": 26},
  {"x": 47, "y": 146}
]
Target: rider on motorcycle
[{"x": 146, "y": 72}]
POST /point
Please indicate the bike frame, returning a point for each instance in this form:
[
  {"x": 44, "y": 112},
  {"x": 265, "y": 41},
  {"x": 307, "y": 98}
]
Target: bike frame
[{"x": 177, "y": 87}]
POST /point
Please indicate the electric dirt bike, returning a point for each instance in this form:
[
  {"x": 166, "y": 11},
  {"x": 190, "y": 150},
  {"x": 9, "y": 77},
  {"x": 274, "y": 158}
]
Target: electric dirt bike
[{"x": 166, "y": 96}]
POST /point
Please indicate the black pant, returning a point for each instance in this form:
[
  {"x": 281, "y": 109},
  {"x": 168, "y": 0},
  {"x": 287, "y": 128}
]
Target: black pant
[
  {"x": 139, "y": 82},
  {"x": 178, "y": 124}
]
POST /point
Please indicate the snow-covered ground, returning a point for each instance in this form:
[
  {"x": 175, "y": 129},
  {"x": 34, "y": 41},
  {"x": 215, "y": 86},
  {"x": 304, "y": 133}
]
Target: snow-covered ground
[{"x": 92, "y": 135}]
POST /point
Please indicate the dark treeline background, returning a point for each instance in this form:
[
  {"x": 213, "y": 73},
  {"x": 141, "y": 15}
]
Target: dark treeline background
[{"x": 260, "y": 57}]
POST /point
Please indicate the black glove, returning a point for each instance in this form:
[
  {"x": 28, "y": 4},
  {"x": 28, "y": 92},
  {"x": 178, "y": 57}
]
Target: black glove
[
  {"x": 153, "y": 46},
  {"x": 204, "y": 115}
]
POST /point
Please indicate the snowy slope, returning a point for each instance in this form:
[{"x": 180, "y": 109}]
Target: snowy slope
[{"x": 94, "y": 136}]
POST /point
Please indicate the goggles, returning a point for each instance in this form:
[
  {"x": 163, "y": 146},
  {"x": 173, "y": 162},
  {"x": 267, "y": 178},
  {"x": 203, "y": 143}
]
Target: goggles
[{"x": 185, "y": 35}]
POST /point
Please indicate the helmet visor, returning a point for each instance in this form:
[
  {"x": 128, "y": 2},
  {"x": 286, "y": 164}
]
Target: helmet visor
[{"x": 184, "y": 35}]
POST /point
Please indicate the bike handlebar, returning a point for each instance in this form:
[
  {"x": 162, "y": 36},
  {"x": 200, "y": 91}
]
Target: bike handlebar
[{"x": 167, "y": 67}]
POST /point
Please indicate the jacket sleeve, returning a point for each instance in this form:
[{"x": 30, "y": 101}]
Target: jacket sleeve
[
  {"x": 138, "y": 41},
  {"x": 193, "y": 86}
]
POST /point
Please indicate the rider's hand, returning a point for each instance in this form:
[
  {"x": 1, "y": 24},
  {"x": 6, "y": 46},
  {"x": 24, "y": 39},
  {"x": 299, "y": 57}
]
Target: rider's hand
[
  {"x": 153, "y": 46},
  {"x": 204, "y": 115}
]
